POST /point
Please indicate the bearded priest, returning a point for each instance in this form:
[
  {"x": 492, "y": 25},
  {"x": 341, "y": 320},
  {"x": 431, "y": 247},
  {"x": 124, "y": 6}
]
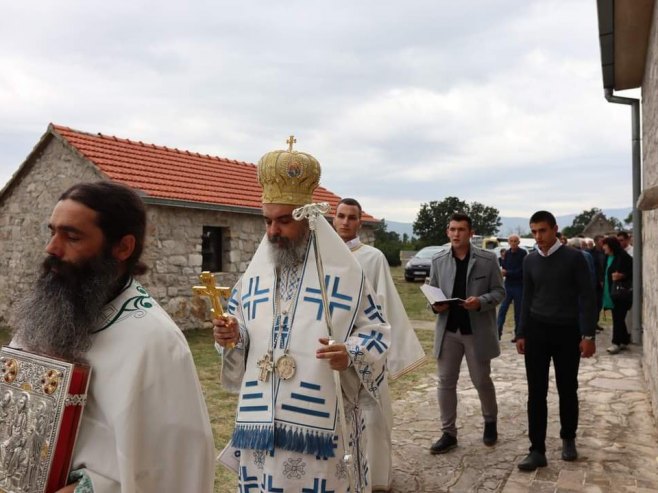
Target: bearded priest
[
  {"x": 145, "y": 427},
  {"x": 303, "y": 319}
]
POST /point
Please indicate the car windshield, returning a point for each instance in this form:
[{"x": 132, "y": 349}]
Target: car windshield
[{"x": 428, "y": 252}]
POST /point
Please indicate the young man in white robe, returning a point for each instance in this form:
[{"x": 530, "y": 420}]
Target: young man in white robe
[
  {"x": 405, "y": 354},
  {"x": 289, "y": 336},
  {"x": 145, "y": 427}
]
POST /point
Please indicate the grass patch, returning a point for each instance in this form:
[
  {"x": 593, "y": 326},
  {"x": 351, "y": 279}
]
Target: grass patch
[{"x": 413, "y": 299}]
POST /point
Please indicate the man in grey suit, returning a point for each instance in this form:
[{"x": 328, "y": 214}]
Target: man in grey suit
[{"x": 466, "y": 328}]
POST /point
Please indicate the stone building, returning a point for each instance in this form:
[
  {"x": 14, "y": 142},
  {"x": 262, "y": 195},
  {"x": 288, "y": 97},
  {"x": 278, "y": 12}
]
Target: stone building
[
  {"x": 203, "y": 213},
  {"x": 628, "y": 32},
  {"x": 598, "y": 225}
]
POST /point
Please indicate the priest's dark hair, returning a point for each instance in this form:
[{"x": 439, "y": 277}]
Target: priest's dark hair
[
  {"x": 350, "y": 201},
  {"x": 120, "y": 212}
]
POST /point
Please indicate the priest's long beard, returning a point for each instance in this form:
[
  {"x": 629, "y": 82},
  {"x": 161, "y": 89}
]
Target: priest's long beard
[
  {"x": 287, "y": 253},
  {"x": 57, "y": 318}
]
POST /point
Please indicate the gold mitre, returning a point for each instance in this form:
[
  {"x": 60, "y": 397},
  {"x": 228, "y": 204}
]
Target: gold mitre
[{"x": 288, "y": 177}]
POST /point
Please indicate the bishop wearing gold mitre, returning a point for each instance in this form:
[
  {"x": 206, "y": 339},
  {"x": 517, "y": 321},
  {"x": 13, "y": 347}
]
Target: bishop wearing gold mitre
[{"x": 304, "y": 323}]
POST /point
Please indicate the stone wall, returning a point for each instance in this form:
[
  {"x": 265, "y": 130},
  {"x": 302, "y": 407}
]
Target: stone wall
[
  {"x": 173, "y": 255},
  {"x": 650, "y": 218},
  {"x": 24, "y": 214}
]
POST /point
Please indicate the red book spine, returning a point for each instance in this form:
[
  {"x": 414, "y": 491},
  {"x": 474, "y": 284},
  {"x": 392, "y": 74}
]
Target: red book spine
[{"x": 63, "y": 451}]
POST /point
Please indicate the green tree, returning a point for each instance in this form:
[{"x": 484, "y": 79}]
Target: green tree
[
  {"x": 579, "y": 222},
  {"x": 388, "y": 242},
  {"x": 432, "y": 219},
  {"x": 486, "y": 221},
  {"x": 629, "y": 219}
]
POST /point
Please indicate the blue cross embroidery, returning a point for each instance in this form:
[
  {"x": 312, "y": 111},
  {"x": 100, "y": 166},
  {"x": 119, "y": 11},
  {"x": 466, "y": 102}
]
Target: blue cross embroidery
[
  {"x": 253, "y": 297},
  {"x": 365, "y": 372},
  {"x": 319, "y": 486},
  {"x": 374, "y": 311},
  {"x": 285, "y": 330},
  {"x": 267, "y": 485},
  {"x": 373, "y": 340},
  {"x": 233, "y": 302},
  {"x": 246, "y": 482},
  {"x": 332, "y": 297}
]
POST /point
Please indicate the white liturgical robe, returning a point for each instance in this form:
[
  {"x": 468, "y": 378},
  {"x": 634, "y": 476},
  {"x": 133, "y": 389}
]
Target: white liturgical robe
[
  {"x": 145, "y": 427},
  {"x": 405, "y": 354},
  {"x": 288, "y": 429}
]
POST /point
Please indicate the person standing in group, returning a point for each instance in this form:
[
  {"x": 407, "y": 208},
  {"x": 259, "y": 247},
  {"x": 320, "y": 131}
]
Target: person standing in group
[
  {"x": 624, "y": 240},
  {"x": 619, "y": 268},
  {"x": 512, "y": 271},
  {"x": 558, "y": 322},
  {"x": 467, "y": 328},
  {"x": 301, "y": 312},
  {"x": 405, "y": 354},
  {"x": 145, "y": 427}
]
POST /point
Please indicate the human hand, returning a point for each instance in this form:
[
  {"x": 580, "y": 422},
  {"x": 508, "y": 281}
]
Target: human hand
[
  {"x": 337, "y": 354},
  {"x": 520, "y": 345},
  {"x": 503, "y": 272},
  {"x": 226, "y": 331},
  {"x": 617, "y": 276},
  {"x": 587, "y": 348},
  {"x": 472, "y": 303},
  {"x": 440, "y": 307}
]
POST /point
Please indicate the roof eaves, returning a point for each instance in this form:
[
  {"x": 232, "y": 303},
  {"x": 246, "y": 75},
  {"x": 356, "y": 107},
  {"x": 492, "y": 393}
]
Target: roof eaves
[{"x": 188, "y": 204}]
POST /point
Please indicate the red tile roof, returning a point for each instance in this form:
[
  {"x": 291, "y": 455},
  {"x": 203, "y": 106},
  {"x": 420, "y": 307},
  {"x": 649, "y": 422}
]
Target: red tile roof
[{"x": 173, "y": 174}]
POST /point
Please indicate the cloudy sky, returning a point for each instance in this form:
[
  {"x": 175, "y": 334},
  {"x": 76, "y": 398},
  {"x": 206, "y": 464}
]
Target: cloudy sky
[{"x": 495, "y": 101}]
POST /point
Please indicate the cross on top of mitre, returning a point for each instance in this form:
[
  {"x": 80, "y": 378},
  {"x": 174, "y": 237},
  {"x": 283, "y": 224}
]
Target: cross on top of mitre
[{"x": 292, "y": 140}]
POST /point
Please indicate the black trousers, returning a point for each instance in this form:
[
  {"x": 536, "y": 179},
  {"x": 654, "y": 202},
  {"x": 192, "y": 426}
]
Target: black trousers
[
  {"x": 620, "y": 333},
  {"x": 561, "y": 343}
]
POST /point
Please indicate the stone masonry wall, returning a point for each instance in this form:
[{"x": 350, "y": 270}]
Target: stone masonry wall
[
  {"x": 24, "y": 215},
  {"x": 650, "y": 218},
  {"x": 173, "y": 255}
]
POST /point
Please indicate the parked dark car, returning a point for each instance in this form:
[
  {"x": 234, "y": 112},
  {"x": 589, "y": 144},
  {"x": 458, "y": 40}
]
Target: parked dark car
[{"x": 418, "y": 266}]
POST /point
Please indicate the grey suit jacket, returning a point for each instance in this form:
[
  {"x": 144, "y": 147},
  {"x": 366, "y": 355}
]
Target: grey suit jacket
[{"x": 484, "y": 280}]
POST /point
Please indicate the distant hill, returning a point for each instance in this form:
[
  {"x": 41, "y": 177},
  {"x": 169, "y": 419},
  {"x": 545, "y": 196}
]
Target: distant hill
[{"x": 515, "y": 224}]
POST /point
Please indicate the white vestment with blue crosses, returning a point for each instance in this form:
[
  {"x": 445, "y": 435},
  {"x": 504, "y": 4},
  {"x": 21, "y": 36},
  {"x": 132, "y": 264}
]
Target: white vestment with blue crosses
[{"x": 287, "y": 431}]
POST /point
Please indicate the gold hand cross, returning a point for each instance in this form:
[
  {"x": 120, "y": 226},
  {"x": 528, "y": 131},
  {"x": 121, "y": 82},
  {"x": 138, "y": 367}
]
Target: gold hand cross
[{"x": 215, "y": 294}]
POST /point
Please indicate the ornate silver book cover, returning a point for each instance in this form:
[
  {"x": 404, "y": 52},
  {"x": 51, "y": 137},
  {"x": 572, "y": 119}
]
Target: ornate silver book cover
[{"x": 41, "y": 401}]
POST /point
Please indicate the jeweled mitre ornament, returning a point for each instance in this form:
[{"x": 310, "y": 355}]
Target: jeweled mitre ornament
[{"x": 288, "y": 176}]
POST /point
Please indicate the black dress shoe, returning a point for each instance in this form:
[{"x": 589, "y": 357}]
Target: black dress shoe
[
  {"x": 490, "y": 436},
  {"x": 569, "y": 452},
  {"x": 532, "y": 461},
  {"x": 444, "y": 444}
]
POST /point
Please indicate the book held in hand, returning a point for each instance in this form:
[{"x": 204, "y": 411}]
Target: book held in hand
[
  {"x": 41, "y": 402},
  {"x": 436, "y": 295}
]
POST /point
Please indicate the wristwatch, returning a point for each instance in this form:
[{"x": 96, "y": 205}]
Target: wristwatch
[{"x": 588, "y": 338}]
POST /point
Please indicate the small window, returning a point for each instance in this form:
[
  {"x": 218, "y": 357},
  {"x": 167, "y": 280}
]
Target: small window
[{"x": 211, "y": 248}]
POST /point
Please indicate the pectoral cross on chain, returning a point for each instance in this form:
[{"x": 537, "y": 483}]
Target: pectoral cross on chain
[
  {"x": 266, "y": 366},
  {"x": 216, "y": 294}
]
